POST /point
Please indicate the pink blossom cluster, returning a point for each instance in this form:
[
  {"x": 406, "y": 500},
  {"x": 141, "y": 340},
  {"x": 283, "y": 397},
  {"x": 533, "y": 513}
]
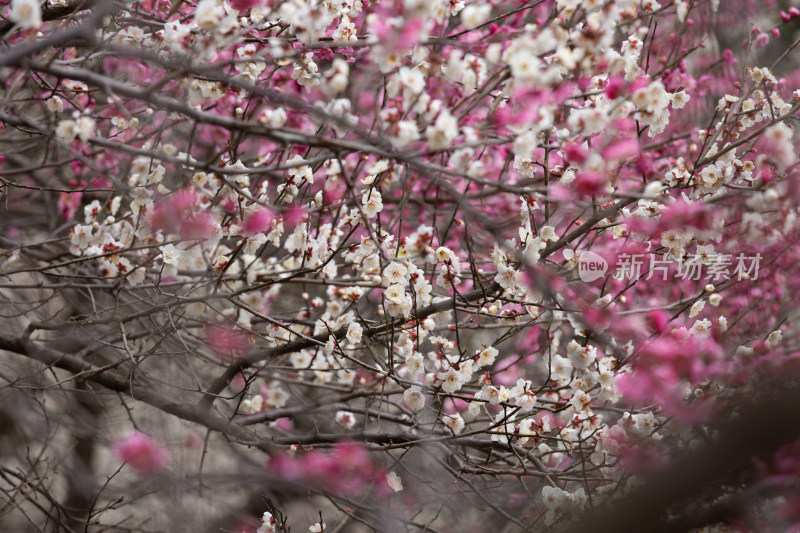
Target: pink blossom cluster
[
  {"x": 346, "y": 469},
  {"x": 146, "y": 455}
]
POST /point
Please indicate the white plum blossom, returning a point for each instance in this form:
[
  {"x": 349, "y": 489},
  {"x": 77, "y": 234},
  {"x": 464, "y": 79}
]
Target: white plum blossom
[
  {"x": 403, "y": 132},
  {"x": 507, "y": 277},
  {"x": 299, "y": 170},
  {"x": 254, "y": 404},
  {"x": 273, "y": 118},
  {"x": 580, "y": 401},
  {"x": 679, "y": 99},
  {"x": 208, "y": 14},
  {"x": 305, "y": 71},
  {"x": 554, "y": 498},
  {"x": 696, "y": 308},
  {"x": 354, "y": 332},
  {"x": 394, "y": 481},
  {"x": 372, "y": 203},
  {"x": 443, "y": 131},
  {"x": 454, "y": 422},
  {"x": 581, "y": 356},
  {"x": 337, "y": 77},
  {"x": 415, "y": 365},
  {"x": 452, "y": 380},
  {"x": 346, "y": 419},
  {"x": 414, "y": 398},
  {"x": 775, "y": 338},
  {"x": 69, "y": 130},
  {"x": 254, "y": 243},
  {"x": 412, "y": 79},
  {"x": 346, "y": 31},
  {"x": 170, "y": 255},
  {"x": 526, "y": 401},
  {"x": 55, "y": 104},
  {"x": 487, "y": 356},
  {"x": 26, "y": 13},
  {"x": 701, "y": 328},
  {"x": 560, "y": 368},
  {"x": 395, "y": 292},
  {"x": 474, "y": 15},
  {"x": 548, "y": 233},
  {"x": 395, "y": 273},
  {"x": 268, "y": 524}
]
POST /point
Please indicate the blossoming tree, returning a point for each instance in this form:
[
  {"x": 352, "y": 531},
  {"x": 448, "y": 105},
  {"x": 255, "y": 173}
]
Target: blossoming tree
[{"x": 485, "y": 265}]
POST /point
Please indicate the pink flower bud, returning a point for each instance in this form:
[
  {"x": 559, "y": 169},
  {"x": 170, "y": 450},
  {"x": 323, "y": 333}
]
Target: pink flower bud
[
  {"x": 293, "y": 216},
  {"x": 228, "y": 342},
  {"x": 197, "y": 226},
  {"x": 590, "y": 183},
  {"x": 257, "y": 222},
  {"x": 142, "y": 452},
  {"x": 621, "y": 150},
  {"x": 183, "y": 199},
  {"x": 575, "y": 153},
  {"x": 244, "y": 5},
  {"x": 68, "y": 204},
  {"x": 658, "y": 320},
  {"x": 170, "y": 213},
  {"x": 639, "y": 83},
  {"x": 615, "y": 87},
  {"x": 410, "y": 34}
]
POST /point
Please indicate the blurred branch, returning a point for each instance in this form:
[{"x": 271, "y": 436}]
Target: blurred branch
[
  {"x": 132, "y": 386},
  {"x": 760, "y": 428},
  {"x": 50, "y": 12}
]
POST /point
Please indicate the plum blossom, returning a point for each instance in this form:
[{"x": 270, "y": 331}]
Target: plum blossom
[
  {"x": 452, "y": 380},
  {"x": 487, "y": 356},
  {"x": 415, "y": 365},
  {"x": 208, "y": 14},
  {"x": 443, "y": 131},
  {"x": 142, "y": 452},
  {"x": 395, "y": 273},
  {"x": 268, "y": 524},
  {"x": 345, "y": 419},
  {"x": 454, "y": 422},
  {"x": 507, "y": 277},
  {"x": 414, "y": 398},
  {"x": 474, "y": 15},
  {"x": 394, "y": 481},
  {"x": 26, "y": 13},
  {"x": 376, "y": 219},
  {"x": 372, "y": 203},
  {"x": 402, "y": 133},
  {"x": 354, "y": 332},
  {"x": 69, "y": 130},
  {"x": 171, "y": 255}
]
